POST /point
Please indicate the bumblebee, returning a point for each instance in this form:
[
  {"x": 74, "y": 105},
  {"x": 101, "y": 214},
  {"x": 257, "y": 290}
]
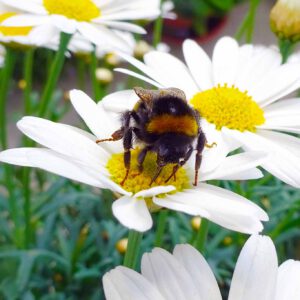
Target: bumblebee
[{"x": 164, "y": 123}]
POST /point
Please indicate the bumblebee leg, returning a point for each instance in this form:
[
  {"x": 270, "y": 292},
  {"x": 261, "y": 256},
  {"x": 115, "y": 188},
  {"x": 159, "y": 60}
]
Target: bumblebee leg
[
  {"x": 200, "y": 146},
  {"x": 116, "y": 136},
  {"x": 214, "y": 144},
  {"x": 141, "y": 158},
  {"x": 158, "y": 171},
  {"x": 180, "y": 164},
  {"x": 127, "y": 143}
]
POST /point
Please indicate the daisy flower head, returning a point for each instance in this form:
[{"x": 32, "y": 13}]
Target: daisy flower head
[
  {"x": 91, "y": 18},
  {"x": 185, "y": 274},
  {"x": 238, "y": 94},
  {"x": 74, "y": 153}
]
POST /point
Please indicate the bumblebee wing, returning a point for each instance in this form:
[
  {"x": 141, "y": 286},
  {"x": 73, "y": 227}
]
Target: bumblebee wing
[
  {"x": 148, "y": 96},
  {"x": 174, "y": 92}
]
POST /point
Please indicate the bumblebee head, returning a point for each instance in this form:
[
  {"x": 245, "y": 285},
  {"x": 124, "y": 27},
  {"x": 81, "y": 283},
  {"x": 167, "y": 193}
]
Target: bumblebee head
[{"x": 171, "y": 148}]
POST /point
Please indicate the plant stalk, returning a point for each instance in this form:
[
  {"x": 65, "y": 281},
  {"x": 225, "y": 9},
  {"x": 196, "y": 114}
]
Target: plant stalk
[
  {"x": 201, "y": 237},
  {"x": 55, "y": 70},
  {"x": 133, "y": 248}
]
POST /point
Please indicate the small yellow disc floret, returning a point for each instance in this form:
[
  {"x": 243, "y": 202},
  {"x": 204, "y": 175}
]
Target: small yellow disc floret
[
  {"x": 80, "y": 10},
  {"x": 137, "y": 182},
  {"x": 12, "y": 31},
  {"x": 229, "y": 107}
]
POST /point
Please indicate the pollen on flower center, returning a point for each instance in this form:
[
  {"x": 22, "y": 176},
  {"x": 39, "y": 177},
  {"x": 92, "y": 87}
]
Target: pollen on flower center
[
  {"x": 12, "y": 31},
  {"x": 229, "y": 107},
  {"x": 137, "y": 182},
  {"x": 80, "y": 10}
]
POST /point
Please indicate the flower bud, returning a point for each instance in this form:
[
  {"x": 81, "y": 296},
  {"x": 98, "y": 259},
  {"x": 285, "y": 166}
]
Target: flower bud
[
  {"x": 141, "y": 48},
  {"x": 121, "y": 245},
  {"x": 112, "y": 59},
  {"x": 196, "y": 223},
  {"x": 104, "y": 76},
  {"x": 285, "y": 19}
]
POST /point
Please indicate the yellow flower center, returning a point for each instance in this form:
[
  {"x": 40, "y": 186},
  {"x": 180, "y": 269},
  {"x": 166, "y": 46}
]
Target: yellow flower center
[
  {"x": 80, "y": 10},
  {"x": 12, "y": 31},
  {"x": 137, "y": 182},
  {"x": 229, "y": 107}
]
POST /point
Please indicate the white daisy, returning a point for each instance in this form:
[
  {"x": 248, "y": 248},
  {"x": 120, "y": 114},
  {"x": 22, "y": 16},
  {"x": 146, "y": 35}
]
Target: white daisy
[
  {"x": 238, "y": 92},
  {"x": 19, "y": 36},
  {"x": 73, "y": 153},
  {"x": 186, "y": 275},
  {"x": 91, "y": 18}
]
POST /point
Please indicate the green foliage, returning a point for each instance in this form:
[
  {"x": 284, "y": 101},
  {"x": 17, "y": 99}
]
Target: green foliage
[{"x": 201, "y": 11}]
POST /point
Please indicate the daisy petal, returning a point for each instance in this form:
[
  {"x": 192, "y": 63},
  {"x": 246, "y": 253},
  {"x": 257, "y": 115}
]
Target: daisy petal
[
  {"x": 221, "y": 206},
  {"x": 102, "y": 36},
  {"x": 164, "y": 271},
  {"x": 93, "y": 115},
  {"x": 63, "y": 140},
  {"x": 157, "y": 79},
  {"x": 255, "y": 62},
  {"x": 30, "y": 6},
  {"x": 139, "y": 76},
  {"x": 132, "y": 213},
  {"x": 155, "y": 191},
  {"x": 50, "y": 161},
  {"x": 277, "y": 84},
  {"x": 288, "y": 287},
  {"x": 283, "y": 115},
  {"x": 131, "y": 15},
  {"x": 201, "y": 273},
  {"x": 199, "y": 64},
  {"x": 124, "y": 26},
  {"x": 283, "y": 149},
  {"x": 174, "y": 72},
  {"x": 232, "y": 165},
  {"x": 121, "y": 101},
  {"x": 225, "y": 59},
  {"x": 123, "y": 283},
  {"x": 25, "y": 20},
  {"x": 256, "y": 271}
]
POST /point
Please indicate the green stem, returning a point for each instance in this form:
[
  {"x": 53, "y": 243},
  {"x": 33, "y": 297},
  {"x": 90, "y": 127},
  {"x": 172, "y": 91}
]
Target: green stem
[
  {"x": 161, "y": 226},
  {"x": 55, "y": 71},
  {"x": 286, "y": 48},
  {"x": 200, "y": 239},
  {"x": 157, "y": 31},
  {"x": 133, "y": 248},
  {"x": 28, "y": 64},
  {"x": 96, "y": 85},
  {"x": 247, "y": 26},
  {"x": 6, "y": 76}
]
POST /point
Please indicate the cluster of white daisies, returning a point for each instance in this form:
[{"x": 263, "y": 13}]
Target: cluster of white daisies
[{"x": 239, "y": 96}]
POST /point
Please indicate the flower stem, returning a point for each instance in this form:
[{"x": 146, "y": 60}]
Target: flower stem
[
  {"x": 247, "y": 26},
  {"x": 161, "y": 226},
  {"x": 28, "y": 62},
  {"x": 133, "y": 247},
  {"x": 96, "y": 85},
  {"x": 200, "y": 239},
  {"x": 55, "y": 71},
  {"x": 157, "y": 31},
  {"x": 6, "y": 75}
]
